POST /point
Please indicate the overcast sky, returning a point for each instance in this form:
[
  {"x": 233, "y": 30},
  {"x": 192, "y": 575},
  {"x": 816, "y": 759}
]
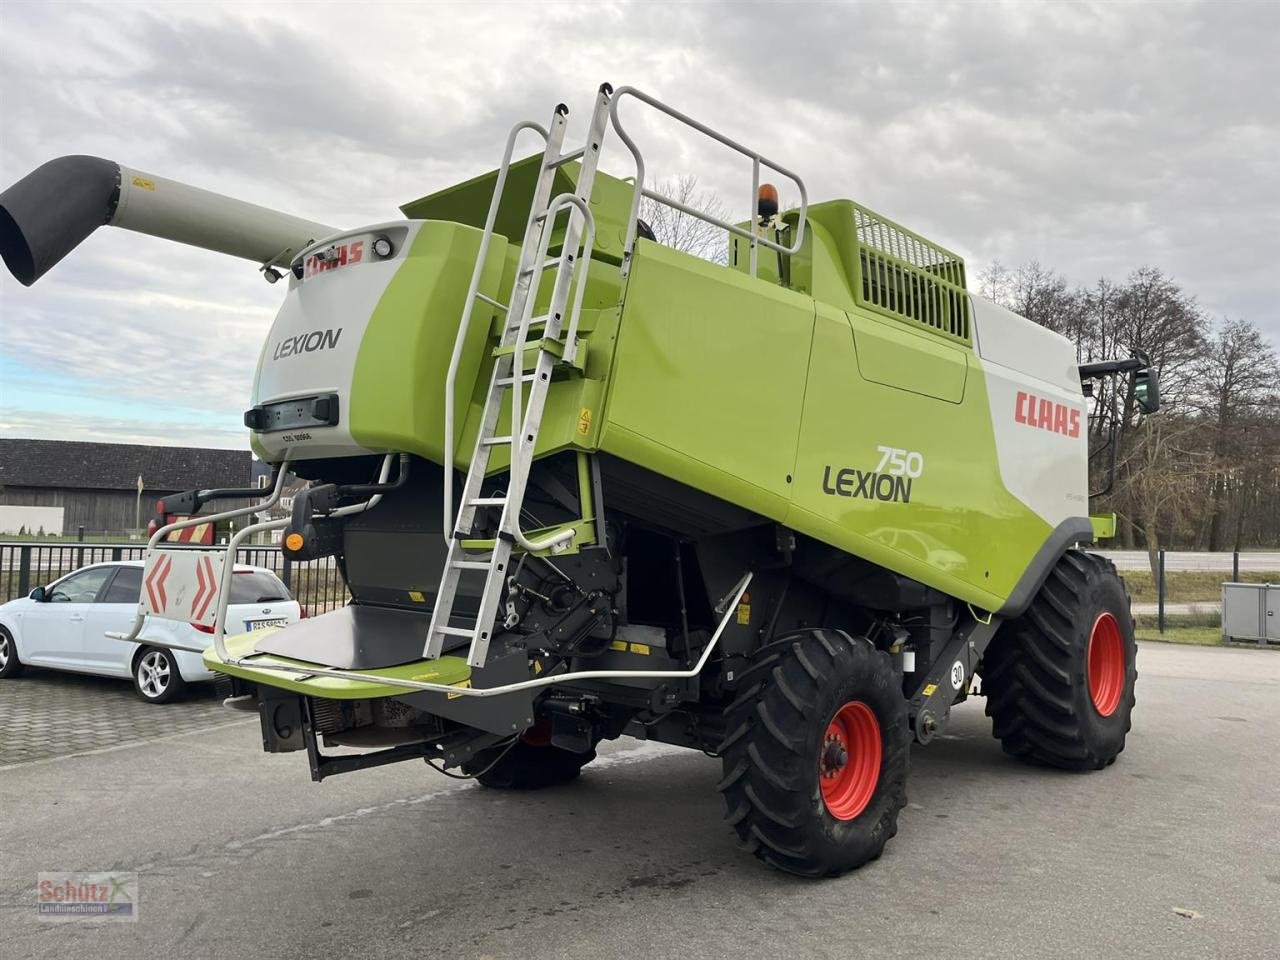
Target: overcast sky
[{"x": 1093, "y": 137}]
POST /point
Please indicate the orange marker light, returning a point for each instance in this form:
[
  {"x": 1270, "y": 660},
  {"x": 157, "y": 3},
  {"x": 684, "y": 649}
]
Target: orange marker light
[
  {"x": 294, "y": 541},
  {"x": 767, "y": 201}
]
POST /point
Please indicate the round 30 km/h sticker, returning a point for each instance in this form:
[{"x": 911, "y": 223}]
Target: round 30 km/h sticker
[{"x": 957, "y": 675}]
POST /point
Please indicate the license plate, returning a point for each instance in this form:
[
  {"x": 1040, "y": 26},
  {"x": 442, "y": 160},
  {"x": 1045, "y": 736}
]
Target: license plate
[{"x": 250, "y": 625}]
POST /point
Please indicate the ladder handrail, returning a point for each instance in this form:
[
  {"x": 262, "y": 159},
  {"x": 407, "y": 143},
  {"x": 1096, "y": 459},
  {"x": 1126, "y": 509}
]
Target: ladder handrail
[
  {"x": 757, "y": 161},
  {"x": 518, "y": 415},
  {"x": 464, "y": 324}
]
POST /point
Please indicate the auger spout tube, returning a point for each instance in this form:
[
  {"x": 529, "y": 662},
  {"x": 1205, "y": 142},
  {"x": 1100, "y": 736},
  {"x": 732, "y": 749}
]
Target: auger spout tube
[{"x": 50, "y": 211}]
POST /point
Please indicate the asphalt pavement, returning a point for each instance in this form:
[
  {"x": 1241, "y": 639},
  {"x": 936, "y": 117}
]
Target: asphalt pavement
[{"x": 1172, "y": 852}]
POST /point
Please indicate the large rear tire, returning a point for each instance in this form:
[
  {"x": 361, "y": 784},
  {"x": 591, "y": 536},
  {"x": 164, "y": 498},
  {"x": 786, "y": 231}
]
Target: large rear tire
[
  {"x": 815, "y": 760},
  {"x": 1060, "y": 679},
  {"x": 531, "y": 763}
]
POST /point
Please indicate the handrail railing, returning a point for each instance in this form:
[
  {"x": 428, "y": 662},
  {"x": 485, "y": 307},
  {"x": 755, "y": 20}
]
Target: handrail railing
[
  {"x": 464, "y": 324},
  {"x": 282, "y": 471},
  {"x": 758, "y": 160}
]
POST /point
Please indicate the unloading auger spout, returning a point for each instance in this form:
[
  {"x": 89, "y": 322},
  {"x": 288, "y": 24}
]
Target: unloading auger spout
[{"x": 50, "y": 211}]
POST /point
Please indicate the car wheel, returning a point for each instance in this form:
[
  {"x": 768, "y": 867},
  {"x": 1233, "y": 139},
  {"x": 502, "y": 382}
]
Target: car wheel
[
  {"x": 10, "y": 665},
  {"x": 156, "y": 677}
]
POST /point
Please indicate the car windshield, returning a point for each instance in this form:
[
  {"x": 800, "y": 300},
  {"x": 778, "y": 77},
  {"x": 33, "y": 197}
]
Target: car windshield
[{"x": 257, "y": 587}]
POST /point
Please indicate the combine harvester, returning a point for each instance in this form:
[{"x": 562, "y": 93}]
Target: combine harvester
[{"x": 584, "y": 486}]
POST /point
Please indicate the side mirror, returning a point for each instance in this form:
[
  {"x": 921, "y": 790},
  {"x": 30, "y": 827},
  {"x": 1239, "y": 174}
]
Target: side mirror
[
  {"x": 1146, "y": 390},
  {"x": 38, "y": 595}
]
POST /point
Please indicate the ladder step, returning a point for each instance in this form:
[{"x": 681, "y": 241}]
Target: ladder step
[
  {"x": 508, "y": 381},
  {"x": 455, "y": 631},
  {"x": 550, "y": 344},
  {"x": 569, "y": 157},
  {"x": 496, "y": 442},
  {"x": 469, "y": 565},
  {"x": 488, "y": 502},
  {"x": 546, "y": 265},
  {"x": 540, "y": 321},
  {"x": 491, "y": 302}
]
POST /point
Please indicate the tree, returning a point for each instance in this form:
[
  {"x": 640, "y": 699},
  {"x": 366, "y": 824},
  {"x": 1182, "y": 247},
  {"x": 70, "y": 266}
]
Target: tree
[
  {"x": 677, "y": 229},
  {"x": 1238, "y": 375}
]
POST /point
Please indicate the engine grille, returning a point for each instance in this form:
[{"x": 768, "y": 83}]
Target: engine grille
[{"x": 907, "y": 277}]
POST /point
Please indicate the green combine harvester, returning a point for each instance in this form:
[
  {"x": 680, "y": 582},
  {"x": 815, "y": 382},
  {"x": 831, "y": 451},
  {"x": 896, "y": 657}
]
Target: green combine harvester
[{"x": 582, "y": 485}]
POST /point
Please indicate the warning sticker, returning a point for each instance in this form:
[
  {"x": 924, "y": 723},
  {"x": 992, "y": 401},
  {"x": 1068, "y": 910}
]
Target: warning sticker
[
  {"x": 416, "y": 597},
  {"x": 465, "y": 684},
  {"x": 584, "y": 421},
  {"x": 744, "y": 613},
  {"x": 144, "y": 183},
  {"x": 928, "y": 691}
]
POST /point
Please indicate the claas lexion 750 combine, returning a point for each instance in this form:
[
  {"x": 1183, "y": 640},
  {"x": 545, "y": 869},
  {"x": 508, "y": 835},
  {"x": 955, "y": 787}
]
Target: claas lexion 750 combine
[{"x": 582, "y": 486}]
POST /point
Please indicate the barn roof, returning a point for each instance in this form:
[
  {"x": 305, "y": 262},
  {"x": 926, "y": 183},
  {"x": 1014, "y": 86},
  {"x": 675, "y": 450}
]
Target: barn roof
[{"x": 73, "y": 464}]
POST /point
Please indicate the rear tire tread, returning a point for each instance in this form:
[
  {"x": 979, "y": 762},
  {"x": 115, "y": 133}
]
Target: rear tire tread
[{"x": 1034, "y": 672}]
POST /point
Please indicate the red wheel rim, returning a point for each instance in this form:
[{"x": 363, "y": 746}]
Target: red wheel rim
[
  {"x": 1104, "y": 662},
  {"x": 849, "y": 762}
]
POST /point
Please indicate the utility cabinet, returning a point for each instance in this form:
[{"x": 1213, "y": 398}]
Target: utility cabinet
[{"x": 1251, "y": 611}]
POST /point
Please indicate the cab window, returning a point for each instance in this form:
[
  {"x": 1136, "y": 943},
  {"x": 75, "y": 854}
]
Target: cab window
[{"x": 80, "y": 587}]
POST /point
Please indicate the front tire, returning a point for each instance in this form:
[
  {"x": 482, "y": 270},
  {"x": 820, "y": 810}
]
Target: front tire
[
  {"x": 815, "y": 760},
  {"x": 155, "y": 675},
  {"x": 10, "y": 665},
  {"x": 1060, "y": 679}
]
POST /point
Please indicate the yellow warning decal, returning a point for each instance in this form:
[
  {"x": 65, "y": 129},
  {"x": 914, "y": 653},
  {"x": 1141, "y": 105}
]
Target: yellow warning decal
[
  {"x": 640, "y": 648},
  {"x": 417, "y": 597},
  {"x": 537, "y": 667},
  {"x": 426, "y": 677},
  {"x": 618, "y": 645},
  {"x": 584, "y": 421},
  {"x": 928, "y": 690},
  {"x": 744, "y": 613},
  {"x": 144, "y": 183},
  {"x": 465, "y": 685}
]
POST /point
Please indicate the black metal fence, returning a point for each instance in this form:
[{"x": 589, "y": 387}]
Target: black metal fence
[{"x": 317, "y": 585}]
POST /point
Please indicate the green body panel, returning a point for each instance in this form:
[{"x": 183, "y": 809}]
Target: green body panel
[
  {"x": 451, "y": 671},
  {"x": 760, "y": 395},
  {"x": 772, "y": 393},
  {"x": 962, "y": 531},
  {"x": 407, "y": 346},
  {"x": 469, "y": 203},
  {"x": 708, "y": 378}
]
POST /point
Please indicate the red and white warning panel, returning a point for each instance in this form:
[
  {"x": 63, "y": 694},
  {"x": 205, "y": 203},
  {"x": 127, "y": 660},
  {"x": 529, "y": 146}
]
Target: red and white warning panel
[{"x": 182, "y": 585}]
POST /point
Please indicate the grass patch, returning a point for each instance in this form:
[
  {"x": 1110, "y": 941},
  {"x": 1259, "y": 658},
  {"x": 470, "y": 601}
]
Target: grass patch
[
  {"x": 1187, "y": 586},
  {"x": 1199, "y": 636}
]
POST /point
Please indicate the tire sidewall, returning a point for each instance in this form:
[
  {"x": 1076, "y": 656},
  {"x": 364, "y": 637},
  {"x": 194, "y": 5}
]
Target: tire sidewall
[
  {"x": 175, "y": 684},
  {"x": 1103, "y": 593},
  {"x": 13, "y": 665},
  {"x": 872, "y": 827}
]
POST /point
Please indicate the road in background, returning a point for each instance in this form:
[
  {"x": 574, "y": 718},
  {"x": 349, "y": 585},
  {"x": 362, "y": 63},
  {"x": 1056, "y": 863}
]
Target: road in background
[
  {"x": 239, "y": 855},
  {"x": 1175, "y": 561}
]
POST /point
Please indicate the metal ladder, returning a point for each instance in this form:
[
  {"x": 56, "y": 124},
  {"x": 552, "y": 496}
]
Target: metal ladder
[{"x": 556, "y": 342}]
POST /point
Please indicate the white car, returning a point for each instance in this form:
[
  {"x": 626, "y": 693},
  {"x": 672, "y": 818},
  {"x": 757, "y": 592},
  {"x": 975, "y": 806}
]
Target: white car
[{"x": 64, "y": 626}]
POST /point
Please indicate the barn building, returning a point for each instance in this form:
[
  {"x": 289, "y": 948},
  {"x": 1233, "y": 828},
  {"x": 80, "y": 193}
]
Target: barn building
[{"x": 96, "y": 484}]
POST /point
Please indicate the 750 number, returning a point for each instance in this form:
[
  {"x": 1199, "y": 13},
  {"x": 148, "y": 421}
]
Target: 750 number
[{"x": 900, "y": 463}]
